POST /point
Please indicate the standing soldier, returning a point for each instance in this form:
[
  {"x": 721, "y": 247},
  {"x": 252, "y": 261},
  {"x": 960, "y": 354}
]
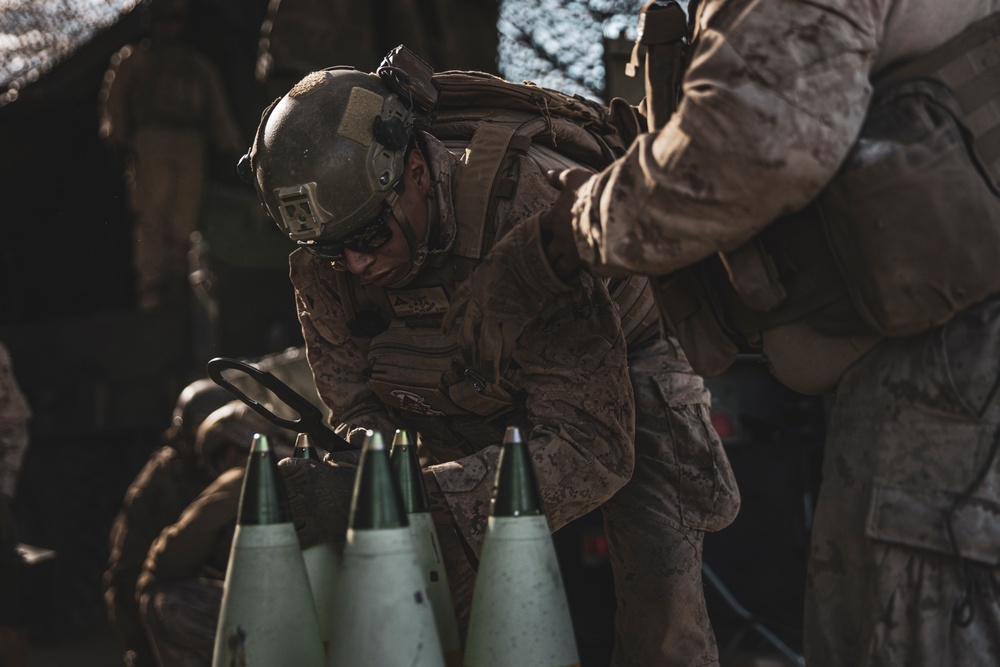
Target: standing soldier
[
  {"x": 381, "y": 211},
  {"x": 826, "y": 192},
  {"x": 164, "y": 107}
]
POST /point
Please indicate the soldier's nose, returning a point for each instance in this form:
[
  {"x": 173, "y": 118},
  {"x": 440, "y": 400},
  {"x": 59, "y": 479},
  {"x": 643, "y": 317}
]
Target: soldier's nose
[{"x": 357, "y": 262}]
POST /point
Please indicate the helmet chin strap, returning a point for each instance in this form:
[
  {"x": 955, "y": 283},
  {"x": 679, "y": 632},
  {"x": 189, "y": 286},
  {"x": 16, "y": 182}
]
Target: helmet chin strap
[{"x": 419, "y": 251}]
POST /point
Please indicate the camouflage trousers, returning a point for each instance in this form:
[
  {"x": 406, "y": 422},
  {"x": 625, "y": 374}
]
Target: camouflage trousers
[
  {"x": 180, "y": 620},
  {"x": 906, "y": 538},
  {"x": 681, "y": 487}
]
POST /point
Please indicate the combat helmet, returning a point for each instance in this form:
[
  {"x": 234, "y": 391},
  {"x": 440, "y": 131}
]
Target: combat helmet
[
  {"x": 196, "y": 402},
  {"x": 328, "y": 157},
  {"x": 234, "y": 424}
]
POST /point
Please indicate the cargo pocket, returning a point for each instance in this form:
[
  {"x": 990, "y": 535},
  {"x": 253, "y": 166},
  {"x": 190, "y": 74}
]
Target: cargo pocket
[
  {"x": 682, "y": 474},
  {"x": 919, "y": 519},
  {"x": 937, "y": 485}
]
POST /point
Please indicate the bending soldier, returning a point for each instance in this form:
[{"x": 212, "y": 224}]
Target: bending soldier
[{"x": 373, "y": 202}]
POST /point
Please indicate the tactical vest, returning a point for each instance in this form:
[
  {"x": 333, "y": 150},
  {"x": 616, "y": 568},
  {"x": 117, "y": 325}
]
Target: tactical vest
[
  {"x": 489, "y": 124},
  {"x": 906, "y": 234},
  {"x": 415, "y": 369}
]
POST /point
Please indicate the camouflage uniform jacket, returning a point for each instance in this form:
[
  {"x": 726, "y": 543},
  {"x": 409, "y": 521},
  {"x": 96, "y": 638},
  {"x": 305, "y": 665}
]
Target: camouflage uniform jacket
[
  {"x": 567, "y": 383},
  {"x": 773, "y": 99}
]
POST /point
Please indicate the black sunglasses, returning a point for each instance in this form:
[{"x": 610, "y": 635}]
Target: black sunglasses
[{"x": 369, "y": 237}]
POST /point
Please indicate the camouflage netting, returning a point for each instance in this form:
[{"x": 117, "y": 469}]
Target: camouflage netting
[
  {"x": 37, "y": 35},
  {"x": 559, "y": 43}
]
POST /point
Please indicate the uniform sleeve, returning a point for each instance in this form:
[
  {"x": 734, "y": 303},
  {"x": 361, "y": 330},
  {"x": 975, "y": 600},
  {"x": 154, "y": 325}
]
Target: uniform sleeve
[
  {"x": 338, "y": 363},
  {"x": 773, "y": 99},
  {"x": 183, "y": 547},
  {"x": 571, "y": 365}
]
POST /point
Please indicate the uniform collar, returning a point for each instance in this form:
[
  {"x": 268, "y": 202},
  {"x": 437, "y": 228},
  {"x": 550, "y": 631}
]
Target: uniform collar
[{"x": 442, "y": 166}]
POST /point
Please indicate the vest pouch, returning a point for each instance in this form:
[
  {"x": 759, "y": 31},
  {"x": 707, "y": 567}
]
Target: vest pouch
[
  {"x": 406, "y": 366},
  {"x": 912, "y": 218}
]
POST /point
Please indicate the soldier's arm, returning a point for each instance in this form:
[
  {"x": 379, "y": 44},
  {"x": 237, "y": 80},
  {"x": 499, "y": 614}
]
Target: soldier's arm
[
  {"x": 183, "y": 547},
  {"x": 773, "y": 100},
  {"x": 572, "y": 367}
]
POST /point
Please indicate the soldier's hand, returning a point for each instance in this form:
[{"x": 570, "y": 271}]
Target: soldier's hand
[
  {"x": 512, "y": 285},
  {"x": 557, "y": 222},
  {"x": 319, "y": 498}
]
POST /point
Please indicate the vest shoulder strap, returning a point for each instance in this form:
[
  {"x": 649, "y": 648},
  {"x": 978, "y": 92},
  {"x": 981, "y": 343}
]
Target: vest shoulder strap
[
  {"x": 969, "y": 66},
  {"x": 477, "y": 185}
]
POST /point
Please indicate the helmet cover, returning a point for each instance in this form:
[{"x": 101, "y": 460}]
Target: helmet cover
[{"x": 329, "y": 153}]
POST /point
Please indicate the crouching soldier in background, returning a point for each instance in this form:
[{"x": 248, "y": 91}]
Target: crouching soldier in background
[
  {"x": 171, "y": 478},
  {"x": 180, "y": 588}
]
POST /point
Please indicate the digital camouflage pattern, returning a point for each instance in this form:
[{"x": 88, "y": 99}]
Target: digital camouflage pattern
[
  {"x": 914, "y": 425},
  {"x": 682, "y": 486},
  {"x": 570, "y": 387},
  {"x": 571, "y": 381},
  {"x": 774, "y": 97}
]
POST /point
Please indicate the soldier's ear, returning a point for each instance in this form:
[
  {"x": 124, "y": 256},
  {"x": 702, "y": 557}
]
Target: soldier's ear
[{"x": 417, "y": 168}]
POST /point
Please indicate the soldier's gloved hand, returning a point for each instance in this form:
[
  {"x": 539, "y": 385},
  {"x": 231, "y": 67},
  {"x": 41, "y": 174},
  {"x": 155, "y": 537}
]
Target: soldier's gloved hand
[
  {"x": 490, "y": 309},
  {"x": 319, "y": 498}
]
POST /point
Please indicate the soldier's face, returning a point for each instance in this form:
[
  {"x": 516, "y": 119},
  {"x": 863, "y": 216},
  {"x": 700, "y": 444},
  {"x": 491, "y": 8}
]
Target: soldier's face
[
  {"x": 391, "y": 262},
  {"x": 384, "y": 265}
]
